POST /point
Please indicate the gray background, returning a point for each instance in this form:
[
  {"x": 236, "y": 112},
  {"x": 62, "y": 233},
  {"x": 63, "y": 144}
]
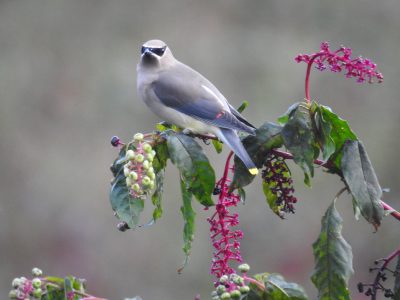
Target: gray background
[{"x": 68, "y": 83}]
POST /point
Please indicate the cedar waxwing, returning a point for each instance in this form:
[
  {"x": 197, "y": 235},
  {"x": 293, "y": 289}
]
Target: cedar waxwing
[{"x": 181, "y": 96}]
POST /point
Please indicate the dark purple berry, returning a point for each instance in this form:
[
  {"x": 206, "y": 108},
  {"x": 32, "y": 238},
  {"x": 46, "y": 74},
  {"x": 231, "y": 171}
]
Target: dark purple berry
[
  {"x": 122, "y": 226},
  {"x": 115, "y": 141}
]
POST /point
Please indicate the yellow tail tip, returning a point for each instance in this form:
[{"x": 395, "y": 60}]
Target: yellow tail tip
[{"x": 253, "y": 171}]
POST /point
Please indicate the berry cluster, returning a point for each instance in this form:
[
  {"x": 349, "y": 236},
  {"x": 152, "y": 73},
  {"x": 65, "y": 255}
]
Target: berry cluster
[
  {"x": 232, "y": 286},
  {"x": 138, "y": 170},
  {"x": 25, "y": 289},
  {"x": 361, "y": 68},
  {"x": 277, "y": 176}
]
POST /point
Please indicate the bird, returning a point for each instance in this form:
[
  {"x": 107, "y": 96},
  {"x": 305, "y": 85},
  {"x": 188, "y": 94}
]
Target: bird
[{"x": 180, "y": 95}]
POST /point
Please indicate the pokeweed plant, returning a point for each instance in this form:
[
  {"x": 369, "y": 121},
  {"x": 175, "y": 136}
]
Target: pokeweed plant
[{"x": 310, "y": 134}]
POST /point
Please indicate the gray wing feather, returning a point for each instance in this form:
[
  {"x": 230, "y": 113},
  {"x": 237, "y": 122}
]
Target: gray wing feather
[{"x": 182, "y": 90}]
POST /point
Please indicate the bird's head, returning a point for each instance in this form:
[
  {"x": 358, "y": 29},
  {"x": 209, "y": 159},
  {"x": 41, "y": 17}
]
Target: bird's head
[{"x": 155, "y": 53}]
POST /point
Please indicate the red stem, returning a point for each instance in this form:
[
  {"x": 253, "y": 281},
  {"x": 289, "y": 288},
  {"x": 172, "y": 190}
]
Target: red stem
[
  {"x": 307, "y": 82},
  {"x": 287, "y": 155}
]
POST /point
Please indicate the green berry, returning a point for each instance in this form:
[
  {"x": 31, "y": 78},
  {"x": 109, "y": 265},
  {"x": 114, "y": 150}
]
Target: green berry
[
  {"x": 126, "y": 171},
  {"x": 12, "y": 294},
  {"x": 238, "y": 280},
  {"x": 150, "y": 157},
  {"x": 225, "y": 296},
  {"x": 133, "y": 175},
  {"x": 224, "y": 279},
  {"x": 244, "y": 268},
  {"x": 139, "y": 158},
  {"x": 146, "y": 180},
  {"x": 138, "y": 137},
  {"x": 214, "y": 293},
  {"x": 220, "y": 289},
  {"x": 136, "y": 187},
  {"x": 153, "y": 153},
  {"x": 235, "y": 294},
  {"x": 128, "y": 181},
  {"x": 130, "y": 155},
  {"x": 37, "y": 293},
  {"x": 36, "y": 283},
  {"x": 147, "y": 148},
  {"x": 151, "y": 185},
  {"x": 146, "y": 165},
  {"x": 244, "y": 289},
  {"x": 215, "y": 298},
  {"x": 151, "y": 175},
  {"x": 16, "y": 283}
]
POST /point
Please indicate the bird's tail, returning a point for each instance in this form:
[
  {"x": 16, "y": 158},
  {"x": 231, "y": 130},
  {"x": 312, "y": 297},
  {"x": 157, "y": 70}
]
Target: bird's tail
[{"x": 230, "y": 138}]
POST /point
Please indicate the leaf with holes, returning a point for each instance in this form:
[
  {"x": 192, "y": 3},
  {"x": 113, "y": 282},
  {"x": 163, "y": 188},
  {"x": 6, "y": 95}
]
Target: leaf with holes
[
  {"x": 333, "y": 258},
  {"x": 361, "y": 179}
]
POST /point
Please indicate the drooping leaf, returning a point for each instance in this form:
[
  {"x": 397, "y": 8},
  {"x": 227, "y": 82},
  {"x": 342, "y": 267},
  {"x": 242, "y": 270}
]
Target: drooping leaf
[
  {"x": 126, "y": 207},
  {"x": 279, "y": 289},
  {"x": 193, "y": 165},
  {"x": 267, "y": 137},
  {"x": 298, "y": 138},
  {"x": 272, "y": 198},
  {"x": 397, "y": 281},
  {"x": 362, "y": 181},
  {"x": 159, "y": 164},
  {"x": 189, "y": 225},
  {"x": 333, "y": 258},
  {"x": 285, "y": 117},
  {"x": 217, "y": 145},
  {"x": 332, "y": 132}
]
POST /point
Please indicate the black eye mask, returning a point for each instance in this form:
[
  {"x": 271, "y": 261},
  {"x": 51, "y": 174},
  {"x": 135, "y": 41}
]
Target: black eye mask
[{"x": 156, "y": 51}]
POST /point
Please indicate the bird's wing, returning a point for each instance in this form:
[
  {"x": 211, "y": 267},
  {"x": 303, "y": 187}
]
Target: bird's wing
[
  {"x": 188, "y": 92},
  {"x": 240, "y": 117}
]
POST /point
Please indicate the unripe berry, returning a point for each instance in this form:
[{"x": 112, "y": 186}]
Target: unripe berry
[
  {"x": 220, "y": 289},
  {"x": 16, "y": 283},
  {"x": 128, "y": 181},
  {"x": 235, "y": 294},
  {"x": 151, "y": 185},
  {"x": 244, "y": 268},
  {"x": 150, "y": 170},
  {"x": 215, "y": 298},
  {"x": 12, "y": 294},
  {"x": 244, "y": 289},
  {"x": 225, "y": 296},
  {"x": 153, "y": 153},
  {"x": 136, "y": 187},
  {"x": 223, "y": 279},
  {"x": 151, "y": 175},
  {"x": 138, "y": 137},
  {"x": 150, "y": 157},
  {"x": 36, "y": 283},
  {"x": 130, "y": 155},
  {"x": 214, "y": 293},
  {"x": 126, "y": 171},
  {"x": 147, "y": 148},
  {"x": 133, "y": 175},
  {"x": 238, "y": 280},
  {"x": 37, "y": 293},
  {"x": 146, "y": 165},
  {"x": 139, "y": 158},
  {"x": 146, "y": 180}
]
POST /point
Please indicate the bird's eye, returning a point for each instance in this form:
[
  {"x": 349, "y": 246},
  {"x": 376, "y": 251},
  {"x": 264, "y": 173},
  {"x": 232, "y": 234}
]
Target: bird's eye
[
  {"x": 158, "y": 51},
  {"x": 142, "y": 50}
]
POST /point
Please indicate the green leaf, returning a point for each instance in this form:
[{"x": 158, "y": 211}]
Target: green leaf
[
  {"x": 193, "y": 165},
  {"x": 361, "y": 179},
  {"x": 189, "y": 225},
  {"x": 126, "y": 207},
  {"x": 272, "y": 198},
  {"x": 217, "y": 145},
  {"x": 333, "y": 258},
  {"x": 334, "y": 132},
  {"x": 159, "y": 164},
  {"x": 279, "y": 289},
  {"x": 267, "y": 137},
  {"x": 298, "y": 138},
  {"x": 397, "y": 281},
  {"x": 285, "y": 117}
]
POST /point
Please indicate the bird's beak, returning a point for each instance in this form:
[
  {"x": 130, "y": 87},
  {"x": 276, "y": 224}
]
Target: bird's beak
[{"x": 147, "y": 53}]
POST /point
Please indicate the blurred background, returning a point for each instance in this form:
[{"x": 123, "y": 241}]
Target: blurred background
[{"x": 68, "y": 83}]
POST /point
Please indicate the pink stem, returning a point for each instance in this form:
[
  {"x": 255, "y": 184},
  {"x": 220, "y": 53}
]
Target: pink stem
[
  {"x": 307, "y": 82},
  {"x": 259, "y": 284}
]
